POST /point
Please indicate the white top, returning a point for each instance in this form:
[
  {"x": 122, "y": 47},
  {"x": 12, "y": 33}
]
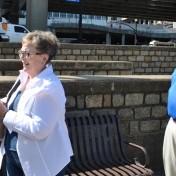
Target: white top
[{"x": 43, "y": 144}]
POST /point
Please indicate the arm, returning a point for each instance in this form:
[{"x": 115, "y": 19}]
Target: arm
[{"x": 46, "y": 108}]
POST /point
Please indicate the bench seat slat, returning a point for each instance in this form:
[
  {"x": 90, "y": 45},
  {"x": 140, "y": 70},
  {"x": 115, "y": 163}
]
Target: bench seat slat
[
  {"x": 74, "y": 168},
  {"x": 93, "y": 146},
  {"x": 105, "y": 162},
  {"x": 82, "y": 152},
  {"x": 130, "y": 170}
]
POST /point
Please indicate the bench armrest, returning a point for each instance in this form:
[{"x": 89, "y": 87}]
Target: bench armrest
[
  {"x": 145, "y": 153},
  {"x": 143, "y": 149}
]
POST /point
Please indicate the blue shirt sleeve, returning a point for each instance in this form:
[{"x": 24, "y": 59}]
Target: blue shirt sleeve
[{"x": 171, "y": 106}]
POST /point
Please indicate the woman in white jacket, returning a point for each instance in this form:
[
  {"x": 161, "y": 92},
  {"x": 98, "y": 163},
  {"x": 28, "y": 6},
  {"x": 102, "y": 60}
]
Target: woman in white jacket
[{"x": 36, "y": 141}]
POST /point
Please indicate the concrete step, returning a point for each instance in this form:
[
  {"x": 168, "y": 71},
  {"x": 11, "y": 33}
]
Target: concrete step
[{"x": 10, "y": 67}]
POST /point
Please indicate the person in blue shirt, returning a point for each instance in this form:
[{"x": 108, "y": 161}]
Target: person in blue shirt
[{"x": 169, "y": 145}]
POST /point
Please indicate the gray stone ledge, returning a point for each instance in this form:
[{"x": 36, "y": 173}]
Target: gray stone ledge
[
  {"x": 97, "y": 46},
  {"x": 66, "y": 65},
  {"x": 104, "y": 84}
]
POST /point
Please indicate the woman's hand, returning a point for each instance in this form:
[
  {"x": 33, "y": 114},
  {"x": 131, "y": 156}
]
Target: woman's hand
[{"x": 3, "y": 108}]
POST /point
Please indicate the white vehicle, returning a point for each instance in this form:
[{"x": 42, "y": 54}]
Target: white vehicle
[
  {"x": 16, "y": 32},
  {"x": 158, "y": 43},
  {"x": 3, "y": 30}
]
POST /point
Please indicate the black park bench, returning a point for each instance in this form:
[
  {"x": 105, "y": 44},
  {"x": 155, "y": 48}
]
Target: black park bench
[{"x": 97, "y": 143}]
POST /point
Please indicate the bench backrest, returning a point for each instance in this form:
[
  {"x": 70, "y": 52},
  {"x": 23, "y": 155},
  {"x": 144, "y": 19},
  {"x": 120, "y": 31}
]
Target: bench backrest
[{"x": 96, "y": 138}]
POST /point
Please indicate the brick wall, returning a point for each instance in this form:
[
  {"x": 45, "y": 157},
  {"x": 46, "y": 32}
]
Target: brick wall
[{"x": 146, "y": 60}]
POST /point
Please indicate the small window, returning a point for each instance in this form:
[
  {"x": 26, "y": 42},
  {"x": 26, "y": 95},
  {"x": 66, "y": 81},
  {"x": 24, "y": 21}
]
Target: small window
[
  {"x": 69, "y": 15},
  {"x": 50, "y": 14},
  {"x": 20, "y": 29},
  {"x": 84, "y": 16},
  {"x": 75, "y": 15},
  {"x": 62, "y": 15},
  {"x": 104, "y": 17},
  {"x": 114, "y": 18},
  {"x": 90, "y": 17},
  {"x": 98, "y": 17},
  {"x": 56, "y": 14}
]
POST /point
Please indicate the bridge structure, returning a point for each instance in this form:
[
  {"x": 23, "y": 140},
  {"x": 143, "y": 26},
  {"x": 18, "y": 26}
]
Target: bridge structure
[
  {"x": 137, "y": 9},
  {"x": 113, "y": 35}
]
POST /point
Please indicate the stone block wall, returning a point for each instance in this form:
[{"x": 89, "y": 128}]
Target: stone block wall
[
  {"x": 139, "y": 101},
  {"x": 146, "y": 60},
  {"x": 11, "y": 67}
]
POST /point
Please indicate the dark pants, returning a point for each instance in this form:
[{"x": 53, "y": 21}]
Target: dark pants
[
  {"x": 13, "y": 165},
  {"x": 14, "y": 168},
  {"x": 62, "y": 172}
]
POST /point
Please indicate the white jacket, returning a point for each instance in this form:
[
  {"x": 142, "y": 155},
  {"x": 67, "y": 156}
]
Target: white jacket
[{"x": 43, "y": 144}]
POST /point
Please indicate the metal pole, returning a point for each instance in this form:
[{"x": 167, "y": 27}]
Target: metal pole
[
  {"x": 135, "y": 42},
  {"x": 80, "y": 23}
]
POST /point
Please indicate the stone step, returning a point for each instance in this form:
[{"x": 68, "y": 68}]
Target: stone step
[{"x": 10, "y": 67}]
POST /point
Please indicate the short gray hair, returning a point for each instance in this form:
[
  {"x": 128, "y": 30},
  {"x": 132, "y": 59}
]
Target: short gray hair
[{"x": 44, "y": 41}]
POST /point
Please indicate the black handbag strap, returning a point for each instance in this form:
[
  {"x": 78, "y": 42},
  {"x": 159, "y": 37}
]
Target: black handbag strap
[{"x": 12, "y": 91}]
